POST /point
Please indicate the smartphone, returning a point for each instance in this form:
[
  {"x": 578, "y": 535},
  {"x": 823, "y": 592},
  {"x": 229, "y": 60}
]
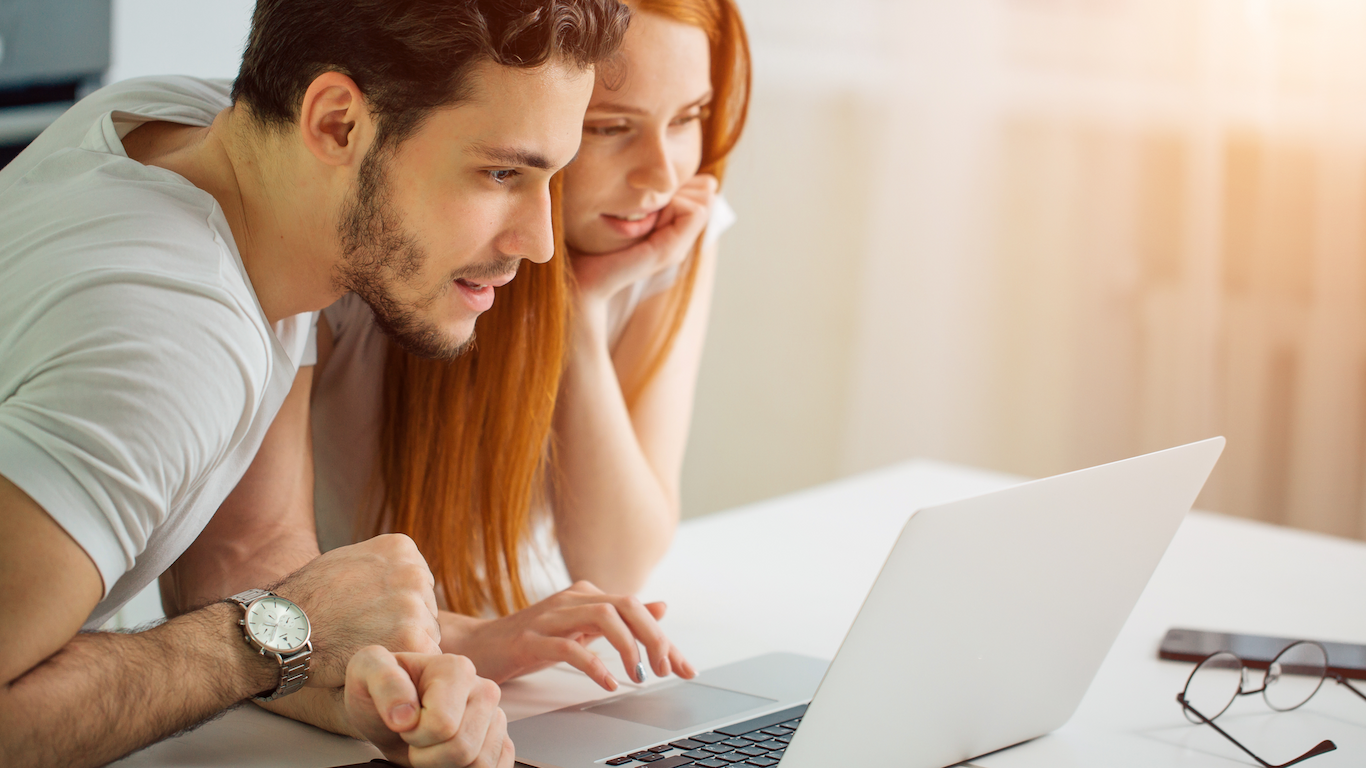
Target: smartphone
[{"x": 1257, "y": 651}]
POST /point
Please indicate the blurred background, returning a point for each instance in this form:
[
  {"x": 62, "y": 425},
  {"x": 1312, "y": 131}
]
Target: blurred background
[{"x": 1028, "y": 235}]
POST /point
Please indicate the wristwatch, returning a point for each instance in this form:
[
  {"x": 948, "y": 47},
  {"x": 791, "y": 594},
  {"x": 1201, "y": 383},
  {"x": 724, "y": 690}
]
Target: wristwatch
[{"x": 279, "y": 628}]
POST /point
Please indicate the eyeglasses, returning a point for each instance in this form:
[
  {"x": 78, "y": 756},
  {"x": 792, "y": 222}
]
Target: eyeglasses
[{"x": 1292, "y": 678}]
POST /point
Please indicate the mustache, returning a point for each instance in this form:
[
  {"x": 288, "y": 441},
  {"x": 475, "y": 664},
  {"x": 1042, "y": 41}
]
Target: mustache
[{"x": 487, "y": 271}]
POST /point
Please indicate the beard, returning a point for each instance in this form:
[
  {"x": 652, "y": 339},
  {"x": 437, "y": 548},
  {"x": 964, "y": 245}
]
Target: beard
[{"x": 378, "y": 256}]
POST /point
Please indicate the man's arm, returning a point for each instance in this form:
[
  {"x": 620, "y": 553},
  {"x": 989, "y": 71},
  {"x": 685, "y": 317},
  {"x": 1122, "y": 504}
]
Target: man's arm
[
  {"x": 87, "y": 699},
  {"x": 91, "y": 698},
  {"x": 264, "y": 529}
]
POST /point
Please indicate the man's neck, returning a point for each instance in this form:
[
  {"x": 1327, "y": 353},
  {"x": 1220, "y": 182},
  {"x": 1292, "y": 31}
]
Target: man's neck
[{"x": 281, "y": 218}]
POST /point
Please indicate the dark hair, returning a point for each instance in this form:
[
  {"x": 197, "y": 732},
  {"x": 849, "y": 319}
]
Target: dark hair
[{"x": 409, "y": 57}]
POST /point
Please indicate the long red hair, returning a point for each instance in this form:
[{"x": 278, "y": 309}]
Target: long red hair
[
  {"x": 721, "y": 129},
  {"x": 465, "y": 444}
]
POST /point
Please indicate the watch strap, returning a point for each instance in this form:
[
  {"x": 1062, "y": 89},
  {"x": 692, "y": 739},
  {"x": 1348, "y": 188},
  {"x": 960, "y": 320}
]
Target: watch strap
[
  {"x": 293, "y": 674},
  {"x": 251, "y": 595}
]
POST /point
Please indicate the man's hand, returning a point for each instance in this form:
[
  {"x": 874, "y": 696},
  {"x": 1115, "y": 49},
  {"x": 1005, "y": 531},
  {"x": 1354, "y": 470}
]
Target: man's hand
[
  {"x": 601, "y": 276},
  {"x": 559, "y": 627},
  {"x": 425, "y": 709},
  {"x": 377, "y": 592}
]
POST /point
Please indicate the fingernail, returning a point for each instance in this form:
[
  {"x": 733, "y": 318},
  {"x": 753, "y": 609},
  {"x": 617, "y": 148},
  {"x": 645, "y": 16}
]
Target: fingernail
[
  {"x": 402, "y": 714},
  {"x": 667, "y": 667},
  {"x": 612, "y": 683},
  {"x": 640, "y": 671}
]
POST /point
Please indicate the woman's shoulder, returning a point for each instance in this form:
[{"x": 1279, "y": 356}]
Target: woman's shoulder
[{"x": 349, "y": 314}]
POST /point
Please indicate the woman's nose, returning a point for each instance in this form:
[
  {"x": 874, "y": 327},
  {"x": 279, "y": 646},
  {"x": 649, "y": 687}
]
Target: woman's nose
[{"x": 654, "y": 169}]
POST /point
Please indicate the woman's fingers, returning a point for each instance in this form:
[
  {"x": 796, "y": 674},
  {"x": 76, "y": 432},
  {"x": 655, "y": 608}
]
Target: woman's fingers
[
  {"x": 701, "y": 189},
  {"x": 624, "y": 621},
  {"x": 557, "y": 649},
  {"x": 644, "y": 627},
  {"x": 563, "y": 623},
  {"x": 680, "y": 664},
  {"x": 601, "y": 617}
]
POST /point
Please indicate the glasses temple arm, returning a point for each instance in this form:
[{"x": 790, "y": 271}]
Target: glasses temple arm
[
  {"x": 1343, "y": 682},
  {"x": 1323, "y": 746}
]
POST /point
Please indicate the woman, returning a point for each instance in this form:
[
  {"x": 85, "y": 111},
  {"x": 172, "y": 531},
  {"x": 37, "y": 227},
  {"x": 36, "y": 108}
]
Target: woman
[{"x": 467, "y": 449}]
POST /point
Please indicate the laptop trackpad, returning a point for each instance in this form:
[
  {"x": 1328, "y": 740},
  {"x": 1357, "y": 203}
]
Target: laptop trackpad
[{"x": 678, "y": 707}]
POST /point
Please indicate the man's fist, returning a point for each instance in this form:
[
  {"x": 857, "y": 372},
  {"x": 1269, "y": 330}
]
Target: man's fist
[{"x": 427, "y": 709}]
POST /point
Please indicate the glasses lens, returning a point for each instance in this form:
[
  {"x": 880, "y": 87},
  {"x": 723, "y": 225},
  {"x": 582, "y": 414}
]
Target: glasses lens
[
  {"x": 1295, "y": 675},
  {"x": 1213, "y": 686}
]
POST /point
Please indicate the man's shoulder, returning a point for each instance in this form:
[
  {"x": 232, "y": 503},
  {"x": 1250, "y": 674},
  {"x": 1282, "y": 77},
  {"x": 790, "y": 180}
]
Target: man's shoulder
[
  {"x": 180, "y": 98},
  {"x": 85, "y": 212},
  {"x": 91, "y": 122},
  {"x": 109, "y": 248}
]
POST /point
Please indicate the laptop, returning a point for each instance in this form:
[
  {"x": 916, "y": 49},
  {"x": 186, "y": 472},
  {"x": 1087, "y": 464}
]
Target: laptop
[{"x": 984, "y": 629}]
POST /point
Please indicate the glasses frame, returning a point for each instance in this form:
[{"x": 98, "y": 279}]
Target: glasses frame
[{"x": 1322, "y": 747}]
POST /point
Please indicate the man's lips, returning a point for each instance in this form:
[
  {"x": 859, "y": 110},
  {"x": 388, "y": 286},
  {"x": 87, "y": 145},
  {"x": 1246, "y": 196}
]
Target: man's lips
[
  {"x": 497, "y": 282},
  {"x": 478, "y": 296},
  {"x": 636, "y": 224}
]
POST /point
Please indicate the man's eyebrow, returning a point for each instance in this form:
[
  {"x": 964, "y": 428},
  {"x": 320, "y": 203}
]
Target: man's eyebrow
[{"x": 512, "y": 156}]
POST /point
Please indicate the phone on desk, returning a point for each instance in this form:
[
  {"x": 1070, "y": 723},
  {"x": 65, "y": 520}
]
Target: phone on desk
[{"x": 1257, "y": 651}]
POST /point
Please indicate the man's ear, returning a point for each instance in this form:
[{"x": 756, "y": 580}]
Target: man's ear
[{"x": 334, "y": 120}]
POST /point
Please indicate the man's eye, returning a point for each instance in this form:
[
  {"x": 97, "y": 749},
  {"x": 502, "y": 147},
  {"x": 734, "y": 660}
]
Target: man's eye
[{"x": 502, "y": 176}]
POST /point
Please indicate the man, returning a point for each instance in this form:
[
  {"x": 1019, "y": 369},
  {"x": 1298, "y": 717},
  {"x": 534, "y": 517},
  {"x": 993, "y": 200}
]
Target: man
[{"x": 162, "y": 249}]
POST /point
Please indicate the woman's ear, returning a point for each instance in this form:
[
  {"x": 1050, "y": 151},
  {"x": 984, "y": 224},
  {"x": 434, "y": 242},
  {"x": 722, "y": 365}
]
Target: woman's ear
[{"x": 334, "y": 120}]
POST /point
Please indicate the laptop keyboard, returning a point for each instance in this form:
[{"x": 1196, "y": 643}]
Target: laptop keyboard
[{"x": 759, "y": 742}]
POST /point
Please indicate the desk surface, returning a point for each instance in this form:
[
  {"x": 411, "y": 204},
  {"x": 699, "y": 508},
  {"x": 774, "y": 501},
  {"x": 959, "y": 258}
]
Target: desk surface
[{"x": 790, "y": 574}]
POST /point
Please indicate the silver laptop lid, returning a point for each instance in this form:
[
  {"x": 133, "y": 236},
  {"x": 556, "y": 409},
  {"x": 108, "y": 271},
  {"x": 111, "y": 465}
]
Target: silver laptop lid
[{"x": 992, "y": 614}]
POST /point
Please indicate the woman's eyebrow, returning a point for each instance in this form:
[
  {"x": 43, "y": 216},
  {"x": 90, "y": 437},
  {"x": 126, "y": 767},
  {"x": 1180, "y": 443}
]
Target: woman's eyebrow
[{"x": 627, "y": 109}]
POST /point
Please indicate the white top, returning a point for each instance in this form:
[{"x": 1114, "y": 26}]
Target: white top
[
  {"x": 346, "y": 413},
  {"x": 138, "y": 373}
]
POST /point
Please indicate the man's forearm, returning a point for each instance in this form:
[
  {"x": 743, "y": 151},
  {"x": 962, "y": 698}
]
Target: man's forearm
[
  {"x": 323, "y": 708},
  {"x": 104, "y": 695}
]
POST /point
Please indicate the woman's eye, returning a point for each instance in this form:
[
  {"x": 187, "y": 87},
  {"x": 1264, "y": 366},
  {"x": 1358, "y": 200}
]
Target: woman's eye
[
  {"x": 502, "y": 176},
  {"x": 700, "y": 114},
  {"x": 604, "y": 130}
]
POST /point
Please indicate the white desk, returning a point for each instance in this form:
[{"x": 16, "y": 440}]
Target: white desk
[{"x": 790, "y": 574}]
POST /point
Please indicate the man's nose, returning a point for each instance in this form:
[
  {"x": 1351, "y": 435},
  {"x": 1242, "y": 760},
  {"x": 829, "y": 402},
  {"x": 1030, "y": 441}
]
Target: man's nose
[{"x": 530, "y": 235}]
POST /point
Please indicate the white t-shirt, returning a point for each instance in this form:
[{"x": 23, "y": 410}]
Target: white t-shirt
[
  {"x": 346, "y": 415},
  {"x": 138, "y": 373}
]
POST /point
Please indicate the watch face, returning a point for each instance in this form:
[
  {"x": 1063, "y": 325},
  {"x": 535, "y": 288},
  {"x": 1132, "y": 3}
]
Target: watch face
[{"x": 278, "y": 624}]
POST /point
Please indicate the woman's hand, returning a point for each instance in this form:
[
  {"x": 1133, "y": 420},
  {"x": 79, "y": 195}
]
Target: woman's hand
[
  {"x": 602, "y": 276},
  {"x": 558, "y": 629}
]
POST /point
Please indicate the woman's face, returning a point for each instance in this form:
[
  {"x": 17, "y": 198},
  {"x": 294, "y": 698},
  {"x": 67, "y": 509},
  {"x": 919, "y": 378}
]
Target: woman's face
[{"x": 642, "y": 138}]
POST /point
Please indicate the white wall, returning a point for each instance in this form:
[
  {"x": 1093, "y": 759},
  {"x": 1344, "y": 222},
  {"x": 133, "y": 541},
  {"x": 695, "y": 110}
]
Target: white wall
[
  {"x": 203, "y": 38},
  {"x": 1067, "y": 231}
]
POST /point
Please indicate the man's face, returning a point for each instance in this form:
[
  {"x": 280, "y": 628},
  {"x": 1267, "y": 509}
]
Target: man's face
[{"x": 437, "y": 222}]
